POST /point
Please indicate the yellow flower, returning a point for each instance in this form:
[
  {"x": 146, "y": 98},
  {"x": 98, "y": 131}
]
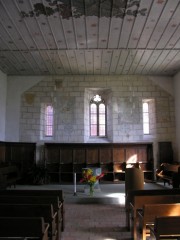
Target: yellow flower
[{"x": 89, "y": 178}]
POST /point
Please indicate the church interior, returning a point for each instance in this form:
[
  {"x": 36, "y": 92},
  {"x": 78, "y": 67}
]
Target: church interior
[{"x": 89, "y": 119}]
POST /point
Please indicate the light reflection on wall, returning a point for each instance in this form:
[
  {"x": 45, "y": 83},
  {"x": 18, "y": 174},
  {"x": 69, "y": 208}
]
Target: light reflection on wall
[{"x": 132, "y": 159}]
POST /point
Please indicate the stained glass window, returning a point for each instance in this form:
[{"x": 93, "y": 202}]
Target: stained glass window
[
  {"x": 97, "y": 117},
  {"x": 49, "y": 121}
]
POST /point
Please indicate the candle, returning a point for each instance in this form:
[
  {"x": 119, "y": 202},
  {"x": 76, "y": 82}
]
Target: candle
[{"x": 74, "y": 183}]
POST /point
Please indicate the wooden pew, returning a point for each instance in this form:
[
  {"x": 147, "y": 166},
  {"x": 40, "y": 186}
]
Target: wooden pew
[
  {"x": 132, "y": 193},
  {"x": 139, "y": 200},
  {"x": 166, "y": 227},
  {"x": 169, "y": 173},
  {"x": 150, "y": 211},
  {"x": 53, "y": 200},
  {"x": 34, "y": 210},
  {"x": 9, "y": 175},
  {"x": 17, "y": 227},
  {"x": 44, "y": 192}
]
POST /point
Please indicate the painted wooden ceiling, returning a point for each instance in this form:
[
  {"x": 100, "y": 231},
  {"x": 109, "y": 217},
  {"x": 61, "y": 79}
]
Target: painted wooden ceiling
[{"x": 47, "y": 37}]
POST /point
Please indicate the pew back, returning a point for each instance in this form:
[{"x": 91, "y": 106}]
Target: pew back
[
  {"x": 166, "y": 227},
  {"x": 132, "y": 193},
  {"x": 32, "y": 228},
  {"x": 43, "y": 193},
  {"x": 35, "y": 210},
  {"x": 34, "y": 192},
  {"x": 52, "y": 200},
  {"x": 138, "y": 203},
  {"x": 151, "y": 211}
]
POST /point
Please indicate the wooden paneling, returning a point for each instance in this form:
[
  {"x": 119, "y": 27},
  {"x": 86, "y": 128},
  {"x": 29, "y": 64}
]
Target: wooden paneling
[
  {"x": 131, "y": 155},
  {"x": 111, "y": 158},
  {"x": 66, "y": 155},
  {"x": 53, "y": 154},
  {"x": 2, "y": 153},
  {"x": 142, "y": 154},
  {"x": 105, "y": 155},
  {"x": 21, "y": 154},
  {"x": 165, "y": 152},
  {"x": 92, "y": 156},
  {"x": 118, "y": 154},
  {"x": 79, "y": 155}
]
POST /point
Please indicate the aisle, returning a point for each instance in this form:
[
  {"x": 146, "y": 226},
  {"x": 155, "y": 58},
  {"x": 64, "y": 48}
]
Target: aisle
[
  {"x": 99, "y": 218},
  {"x": 95, "y": 222}
]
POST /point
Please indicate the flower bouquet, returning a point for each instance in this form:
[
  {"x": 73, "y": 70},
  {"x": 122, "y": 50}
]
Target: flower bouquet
[{"x": 89, "y": 178}]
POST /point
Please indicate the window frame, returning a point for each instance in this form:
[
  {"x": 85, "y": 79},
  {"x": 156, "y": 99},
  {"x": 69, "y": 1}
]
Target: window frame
[
  {"x": 98, "y": 103},
  {"x": 48, "y": 125},
  {"x": 146, "y": 123}
]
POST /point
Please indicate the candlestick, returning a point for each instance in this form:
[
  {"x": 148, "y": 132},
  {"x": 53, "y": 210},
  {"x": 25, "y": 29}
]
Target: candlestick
[{"x": 75, "y": 184}]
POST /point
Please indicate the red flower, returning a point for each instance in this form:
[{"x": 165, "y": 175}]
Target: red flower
[
  {"x": 89, "y": 178},
  {"x": 100, "y": 176}
]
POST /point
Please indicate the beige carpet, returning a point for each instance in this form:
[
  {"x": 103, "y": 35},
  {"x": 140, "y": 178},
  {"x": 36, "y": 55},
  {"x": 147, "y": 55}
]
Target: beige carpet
[
  {"x": 101, "y": 217},
  {"x": 90, "y": 218}
]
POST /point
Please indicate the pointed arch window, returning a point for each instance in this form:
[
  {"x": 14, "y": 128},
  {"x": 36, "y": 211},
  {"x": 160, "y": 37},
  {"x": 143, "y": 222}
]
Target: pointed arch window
[
  {"x": 97, "y": 117},
  {"x": 49, "y": 120}
]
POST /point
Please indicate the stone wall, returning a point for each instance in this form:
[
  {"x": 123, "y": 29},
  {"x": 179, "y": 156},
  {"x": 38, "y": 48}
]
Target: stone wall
[{"x": 70, "y": 96}]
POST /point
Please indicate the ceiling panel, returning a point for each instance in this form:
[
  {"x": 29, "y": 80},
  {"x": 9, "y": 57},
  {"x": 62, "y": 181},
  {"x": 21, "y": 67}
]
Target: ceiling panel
[{"x": 45, "y": 37}]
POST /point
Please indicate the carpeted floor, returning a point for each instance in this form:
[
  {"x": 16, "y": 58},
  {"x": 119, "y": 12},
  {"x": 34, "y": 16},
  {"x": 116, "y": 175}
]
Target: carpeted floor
[
  {"x": 95, "y": 222},
  {"x": 101, "y": 217}
]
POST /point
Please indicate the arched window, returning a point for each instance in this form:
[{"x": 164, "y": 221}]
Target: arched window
[
  {"x": 97, "y": 117},
  {"x": 49, "y": 121},
  {"x": 145, "y": 117}
]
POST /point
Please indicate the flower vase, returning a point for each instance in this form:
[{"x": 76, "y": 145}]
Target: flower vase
[{"x": 91, "y": 190}]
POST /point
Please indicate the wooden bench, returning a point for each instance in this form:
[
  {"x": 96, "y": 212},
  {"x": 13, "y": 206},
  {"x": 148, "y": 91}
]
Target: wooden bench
[
  {"x": 139, "y": 203},
  {"x": 53, "y": 200},
  {"x": 17, "y": 227},
  {"x": 149, "y": 212},
  {"x": 169, "y": 173},
  {"x": 166, "y": 227},
  {"x": 132, "y": 193},
  {"x": 9, "y": 175},
  {"x": 34, "y": 210},
  {"x": 42, "y": 193}
]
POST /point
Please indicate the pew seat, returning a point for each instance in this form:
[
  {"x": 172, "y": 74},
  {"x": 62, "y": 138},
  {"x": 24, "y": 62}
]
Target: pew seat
[
  {"x": 166, "y": 227},
  {"x": 139, "y": 203},
  {"x": 130, "y": 198},
  {"x": 23, "y": 227},
  {"x": 53, "y": 200},
  {"x": 35, "y": 210},
  {"x": 41, "y": 193},
  {"x": 147, "y": 215}
]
